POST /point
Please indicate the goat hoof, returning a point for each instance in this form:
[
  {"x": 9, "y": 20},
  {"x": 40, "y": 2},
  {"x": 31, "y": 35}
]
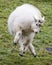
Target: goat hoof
[
  {"x": 24, "y": 52},
  {"x": 21, "y": 54},
  {"x": 35, "y": 55},
  {"x": 15, "y": 44}
]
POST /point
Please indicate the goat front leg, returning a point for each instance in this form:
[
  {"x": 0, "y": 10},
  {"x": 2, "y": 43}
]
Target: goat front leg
[{"x": 17, "y": 37}]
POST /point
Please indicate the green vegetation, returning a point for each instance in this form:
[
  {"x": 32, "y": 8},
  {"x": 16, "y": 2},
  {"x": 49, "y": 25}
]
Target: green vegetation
[{"x": 9, "y": 53}]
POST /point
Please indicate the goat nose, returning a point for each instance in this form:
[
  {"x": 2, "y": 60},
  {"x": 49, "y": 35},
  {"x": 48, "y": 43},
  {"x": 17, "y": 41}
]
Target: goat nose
[
  {"x": 39, "y": 25},
  {"x": 36, "y": 32}
]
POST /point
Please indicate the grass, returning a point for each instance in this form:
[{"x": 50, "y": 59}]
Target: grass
[{"x": 9, "y": 53}]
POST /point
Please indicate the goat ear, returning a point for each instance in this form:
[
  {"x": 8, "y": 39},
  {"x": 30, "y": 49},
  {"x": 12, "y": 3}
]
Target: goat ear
[
  {"x": 35, "y": 19},
  {"x": 43, "y": 19}
]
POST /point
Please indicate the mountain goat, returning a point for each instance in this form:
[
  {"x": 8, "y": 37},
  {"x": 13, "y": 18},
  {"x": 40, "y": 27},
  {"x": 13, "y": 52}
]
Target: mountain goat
[{"x": 23, "y": 23}]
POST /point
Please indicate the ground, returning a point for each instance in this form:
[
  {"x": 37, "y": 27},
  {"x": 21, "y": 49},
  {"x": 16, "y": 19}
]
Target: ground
[{"x": 9, "y": 53}]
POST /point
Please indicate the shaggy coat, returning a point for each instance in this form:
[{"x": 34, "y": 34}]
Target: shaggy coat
[{"x": 23, "y": 23}]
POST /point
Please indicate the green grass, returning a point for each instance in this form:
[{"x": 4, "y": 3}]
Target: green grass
[{"x": 9, "y": 53}]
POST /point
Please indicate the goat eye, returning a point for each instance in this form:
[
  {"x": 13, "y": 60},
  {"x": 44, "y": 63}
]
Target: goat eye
[
  {"x": 40, "y": 21},
  {"x": 36, "y": 24}
]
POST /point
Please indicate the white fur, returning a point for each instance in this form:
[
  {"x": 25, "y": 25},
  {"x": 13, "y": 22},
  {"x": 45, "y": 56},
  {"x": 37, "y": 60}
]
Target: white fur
[{"x": 22, "y": 24}]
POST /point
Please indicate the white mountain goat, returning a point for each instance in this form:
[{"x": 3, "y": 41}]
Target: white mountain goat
[{"x": 23, "y": 23}]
